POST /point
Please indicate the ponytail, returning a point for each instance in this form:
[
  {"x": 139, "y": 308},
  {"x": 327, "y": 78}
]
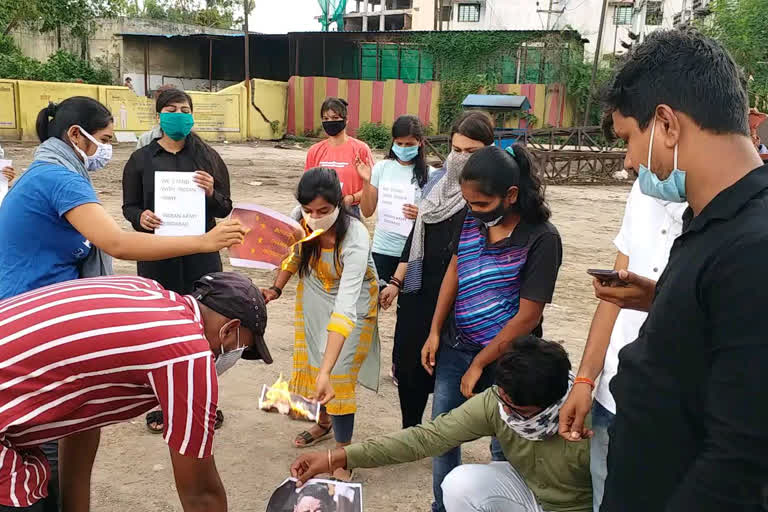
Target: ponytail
[
  {"x": 493, "y": 171},
  {"x": 87, "y": 113}
]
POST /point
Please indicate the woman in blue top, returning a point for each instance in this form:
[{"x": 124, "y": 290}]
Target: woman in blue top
[
  {"x": 404, "y": 170},
  {"x": 52, "y": 226},
  {"x": 53, "y": 229},
  {"x": 501, "y": 275}
]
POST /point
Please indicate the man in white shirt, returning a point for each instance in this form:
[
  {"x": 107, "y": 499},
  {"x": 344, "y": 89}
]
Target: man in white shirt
[{"x": 648, "y": 230}]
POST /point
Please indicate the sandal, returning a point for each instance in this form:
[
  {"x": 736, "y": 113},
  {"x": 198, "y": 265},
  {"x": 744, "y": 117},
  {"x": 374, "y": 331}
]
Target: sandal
[
  {"x": 155, "y": 422},
  {"x": 344, "y": 477},
  {"x": 219, "y": 420},
  {"x": 306, "y": 439}
]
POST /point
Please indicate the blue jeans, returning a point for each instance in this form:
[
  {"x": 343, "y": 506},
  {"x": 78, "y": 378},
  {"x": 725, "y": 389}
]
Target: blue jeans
[
  {"x": 451, "y": 365},
  {"x": 602, "y": 419}
]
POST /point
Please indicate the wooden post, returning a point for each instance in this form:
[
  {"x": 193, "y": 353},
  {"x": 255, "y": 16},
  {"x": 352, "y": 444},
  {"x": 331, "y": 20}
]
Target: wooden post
[
  {"x": 597, "y": 61},
  {"x": 146, "y": 67},
  {"x": 210, "y": 65},
  {"x": 247, "y": 47}
]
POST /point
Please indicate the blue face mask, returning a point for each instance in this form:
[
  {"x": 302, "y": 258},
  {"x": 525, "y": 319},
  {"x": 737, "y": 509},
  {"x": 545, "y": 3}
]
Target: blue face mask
[
  {"x": 176, "y": 125},
  {"x": 671, "y": 189},
  {"x": 405, "y": 154}
]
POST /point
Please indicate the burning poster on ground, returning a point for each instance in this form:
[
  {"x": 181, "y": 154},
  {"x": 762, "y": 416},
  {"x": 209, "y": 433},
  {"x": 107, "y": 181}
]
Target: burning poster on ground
[
  {"x": 277, "y": 398},
  {"x": 317, "y": 496}
]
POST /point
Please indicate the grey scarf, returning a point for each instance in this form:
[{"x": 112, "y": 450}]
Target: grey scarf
[
  {"x": 441, "y": 202},
  {"x": 56, "y": 151}
]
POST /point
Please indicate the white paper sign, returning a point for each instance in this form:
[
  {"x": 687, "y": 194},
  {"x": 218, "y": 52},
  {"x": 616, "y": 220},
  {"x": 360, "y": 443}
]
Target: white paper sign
[
  {"x": 3, "y": 179},
  {"x": 179, "y": 203},
  {"x": 392, "y": 198}
]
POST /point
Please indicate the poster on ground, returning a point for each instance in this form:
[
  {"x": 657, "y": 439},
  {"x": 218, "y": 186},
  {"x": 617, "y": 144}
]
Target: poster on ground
[
  {"x": 317, "y": 496},
  {"x": 268, "y": 239},
  {"x": 179, "y": 203}
]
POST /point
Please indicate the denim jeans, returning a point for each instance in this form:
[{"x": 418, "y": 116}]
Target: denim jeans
[
  {"x": 343, "y": 427},
  {"x": 451, "y": 365},
  {"x": 602, "y": 419}
]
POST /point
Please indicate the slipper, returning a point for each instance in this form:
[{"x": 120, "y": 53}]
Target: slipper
[
  {"x": 219, "y": 420},
  {"x": 155, "y": 418},
  {"x": 309, "y": 440}
]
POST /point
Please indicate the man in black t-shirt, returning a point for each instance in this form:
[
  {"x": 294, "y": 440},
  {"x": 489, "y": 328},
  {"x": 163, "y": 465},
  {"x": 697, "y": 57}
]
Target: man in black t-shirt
[{"x": 691, "y": 426}]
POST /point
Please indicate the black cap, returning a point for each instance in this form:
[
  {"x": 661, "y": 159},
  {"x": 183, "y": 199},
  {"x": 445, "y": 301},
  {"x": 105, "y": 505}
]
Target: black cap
[{"x": 234, "y": 296}]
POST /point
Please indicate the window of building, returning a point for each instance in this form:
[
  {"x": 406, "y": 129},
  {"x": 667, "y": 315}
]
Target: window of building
[
  {"x": 469, "y": 13},
  {"x": 622, "y": 15},
  {"x": 654, "y": 14}
]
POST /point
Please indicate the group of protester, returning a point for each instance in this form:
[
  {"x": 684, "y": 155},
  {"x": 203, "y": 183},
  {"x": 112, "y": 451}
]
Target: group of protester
[{"x": 675, "y": 353}]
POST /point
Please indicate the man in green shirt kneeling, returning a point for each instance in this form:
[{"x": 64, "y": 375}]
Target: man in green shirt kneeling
[{"x": 544, "y": 473}]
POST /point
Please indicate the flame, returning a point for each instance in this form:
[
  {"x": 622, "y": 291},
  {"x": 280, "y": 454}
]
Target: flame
[{"x": 278, "y": 397}]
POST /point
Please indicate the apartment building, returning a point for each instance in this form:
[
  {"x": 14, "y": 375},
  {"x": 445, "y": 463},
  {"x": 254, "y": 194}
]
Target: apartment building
[{"x": 640, "y": 17}]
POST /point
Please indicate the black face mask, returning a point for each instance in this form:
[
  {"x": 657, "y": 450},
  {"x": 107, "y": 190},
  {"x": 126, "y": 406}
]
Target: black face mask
[
  {"x": 333, "y": 128},
  {"x": 492, "y": 217}
]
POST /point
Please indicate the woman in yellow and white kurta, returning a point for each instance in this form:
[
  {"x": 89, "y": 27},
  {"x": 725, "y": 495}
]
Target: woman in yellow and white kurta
[{"x": 337, "y": 342}]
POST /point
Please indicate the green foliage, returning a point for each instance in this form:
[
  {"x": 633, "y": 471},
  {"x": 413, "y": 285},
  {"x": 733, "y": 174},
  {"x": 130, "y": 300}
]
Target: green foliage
[
  {"x": 214, "y": 13},
  {"x": 471, "y": 62},
  {"x": 62, "y": 66},
  {"x": 741, "y": 27},
  {"x": 376, "y": 135}
]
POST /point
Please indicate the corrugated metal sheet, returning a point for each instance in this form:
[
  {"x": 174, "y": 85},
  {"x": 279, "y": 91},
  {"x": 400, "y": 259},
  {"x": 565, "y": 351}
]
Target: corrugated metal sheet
[{"x": 496, "y": 102}]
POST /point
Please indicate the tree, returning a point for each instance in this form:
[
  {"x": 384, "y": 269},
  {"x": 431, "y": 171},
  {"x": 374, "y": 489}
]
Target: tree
[
  {"x": 211, "y": 13},
  {"x": 16, "y": 12},
  {"x": 741, "y": 27}
]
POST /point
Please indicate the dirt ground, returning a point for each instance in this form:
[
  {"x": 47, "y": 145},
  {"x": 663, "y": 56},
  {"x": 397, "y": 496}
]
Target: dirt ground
[{"x": 253, "y": 449}]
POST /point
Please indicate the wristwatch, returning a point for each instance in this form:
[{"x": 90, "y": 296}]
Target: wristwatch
[{"x": 277, "y": 290}]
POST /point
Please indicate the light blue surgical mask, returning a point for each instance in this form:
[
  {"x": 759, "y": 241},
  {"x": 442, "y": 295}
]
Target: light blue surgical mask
[
  {"x": 671, "y": 189},
  {"x": 405, "y": 154}
]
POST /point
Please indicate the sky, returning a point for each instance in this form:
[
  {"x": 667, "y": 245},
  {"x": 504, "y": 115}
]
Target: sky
[{"x": 281, "y": 16}]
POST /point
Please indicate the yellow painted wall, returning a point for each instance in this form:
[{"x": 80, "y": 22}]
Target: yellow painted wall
[
  {"x": 272, "y": 99},
  {"x": 218, "y": 116}
]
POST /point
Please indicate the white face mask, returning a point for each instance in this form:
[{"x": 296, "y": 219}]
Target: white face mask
[
  {"x": 324, "y": 223},
  {"x": 100, "y": 158},
  {"x": 226, "y": 360}
]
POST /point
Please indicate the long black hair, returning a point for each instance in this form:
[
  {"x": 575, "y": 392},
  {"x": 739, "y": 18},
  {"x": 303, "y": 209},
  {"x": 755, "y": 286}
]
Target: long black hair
[
  {"x": 204, "y": 156},
  {"x": 410, "y": 126},
  {"x": 493, "y": 171},
  {"x": 322, "y": 182},
  {"x": 87, "y": 113}
]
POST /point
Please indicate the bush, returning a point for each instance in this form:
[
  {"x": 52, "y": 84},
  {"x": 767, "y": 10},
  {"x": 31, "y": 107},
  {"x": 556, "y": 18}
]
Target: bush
[
  {"x": 376, "y": 135},
  {"x": 62, "y": 66}
]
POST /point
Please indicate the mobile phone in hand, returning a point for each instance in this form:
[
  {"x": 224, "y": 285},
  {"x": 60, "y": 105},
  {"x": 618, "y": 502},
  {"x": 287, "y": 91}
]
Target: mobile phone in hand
[{"x": 607, "y": 277}]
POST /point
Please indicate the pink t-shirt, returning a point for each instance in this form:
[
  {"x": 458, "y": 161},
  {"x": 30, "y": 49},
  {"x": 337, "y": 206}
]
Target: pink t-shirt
[{"x": 342, "y": 160}]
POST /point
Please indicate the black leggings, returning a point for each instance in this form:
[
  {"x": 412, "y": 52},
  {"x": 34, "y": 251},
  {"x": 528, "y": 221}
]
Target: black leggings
[{"x": 413, "y": 402}]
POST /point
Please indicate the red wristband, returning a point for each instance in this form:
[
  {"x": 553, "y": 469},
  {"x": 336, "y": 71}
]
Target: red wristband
[{"x": 584, "y": 380}]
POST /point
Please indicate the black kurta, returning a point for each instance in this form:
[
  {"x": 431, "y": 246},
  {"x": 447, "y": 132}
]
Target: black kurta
[
  {"x": 177, "y": 274},
  {"x": 415, "y": 310}
]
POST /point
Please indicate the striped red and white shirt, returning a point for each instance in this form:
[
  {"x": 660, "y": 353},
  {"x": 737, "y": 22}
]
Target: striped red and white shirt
[{"x": 83, "y": 354}]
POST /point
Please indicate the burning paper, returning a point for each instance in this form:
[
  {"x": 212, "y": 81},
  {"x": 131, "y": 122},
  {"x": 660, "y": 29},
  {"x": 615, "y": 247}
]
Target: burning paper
[
  {"x": 268, "y": 239},
  {"x": 278, "y": 398}
]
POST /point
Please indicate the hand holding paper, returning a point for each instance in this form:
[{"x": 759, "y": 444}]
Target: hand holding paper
[
  {"x": 180, "y": 203},
  {"x": 269, "y": 237},
  {"x": 6, "y": 177}
]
